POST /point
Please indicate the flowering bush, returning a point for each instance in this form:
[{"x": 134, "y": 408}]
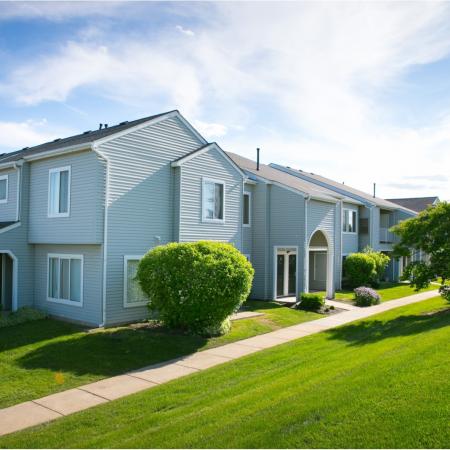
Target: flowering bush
[
  {"x": 365, "y": 296},
  {"x": 444, "y": 290},
  {"x": 195, "y": 286}
]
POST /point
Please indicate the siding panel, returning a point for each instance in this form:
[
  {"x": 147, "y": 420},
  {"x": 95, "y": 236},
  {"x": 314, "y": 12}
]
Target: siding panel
[{"x": 8, "y": 211}]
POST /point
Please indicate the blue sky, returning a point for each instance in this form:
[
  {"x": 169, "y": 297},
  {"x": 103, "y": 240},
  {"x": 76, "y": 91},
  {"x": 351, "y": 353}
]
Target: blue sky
[{"x": 358, "y": 92}]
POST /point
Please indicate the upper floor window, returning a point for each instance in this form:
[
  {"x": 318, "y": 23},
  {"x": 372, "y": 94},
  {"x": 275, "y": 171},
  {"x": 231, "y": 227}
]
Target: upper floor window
[
  {"x": 213, "y": 200},
  {"x": 247, "y": 209},
  {"x": 59, "y": 192},
  {"x": 349, "y": 221},
  {"x": 133, "y": 295},
  {"x": 65, "y": 279},
  {"x": 3, "y": 188}
]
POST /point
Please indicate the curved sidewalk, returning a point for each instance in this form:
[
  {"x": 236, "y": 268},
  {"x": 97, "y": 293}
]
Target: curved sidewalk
[{"x": 51, "y": 407}]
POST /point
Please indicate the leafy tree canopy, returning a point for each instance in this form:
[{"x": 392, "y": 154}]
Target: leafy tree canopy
[{"x": 430, "y": 233}]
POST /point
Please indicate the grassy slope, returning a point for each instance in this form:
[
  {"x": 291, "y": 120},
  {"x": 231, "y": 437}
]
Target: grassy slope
[
  {"x": 378, "y": 383},
  {"x": 387, "y": 291},
  {"x": 47, "y": 356}
]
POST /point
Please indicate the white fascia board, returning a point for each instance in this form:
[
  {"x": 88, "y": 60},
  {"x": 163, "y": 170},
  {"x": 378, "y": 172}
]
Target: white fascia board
[
  {"x": 58, "y": 151},
  {"x": 207, "y": 148},
  {"x": 152, "y": 122},
  {"x": 11, "y": 164}
]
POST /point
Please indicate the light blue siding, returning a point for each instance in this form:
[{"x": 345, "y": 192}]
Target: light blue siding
[
  {"x": 15, "y": 241},
  {"x": 8, "y": 210},
  {"x": 247, "y": 232},
  {"x": 260, "y": 241},
  {"x": 287, "y": 225},
  {"x": 141, "y": 200},
  {"x": 91, "y": 311},
  {"x": 85, "y": 223},
  {"x": 213, "y": 165},
  {"x": 350, "y": 240}
]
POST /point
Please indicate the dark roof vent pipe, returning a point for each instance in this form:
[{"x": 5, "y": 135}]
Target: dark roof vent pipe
[
  {"x": 100, "y": 126},
  {"x": 374, "y": 190},
  {"x": 257, "y": 159},
  {"x": 105, "y": 126}
]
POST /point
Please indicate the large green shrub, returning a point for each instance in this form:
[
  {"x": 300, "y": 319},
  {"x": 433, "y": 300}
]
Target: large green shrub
[
  {"x": 381, "y": 262},
  {"x": 360, "y": 269},
  {"x": 311, "y": 302},
  {"x": 195, "y": 286}
]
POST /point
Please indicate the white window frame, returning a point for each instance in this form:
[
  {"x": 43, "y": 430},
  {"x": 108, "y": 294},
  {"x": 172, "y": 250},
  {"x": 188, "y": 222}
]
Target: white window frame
[
  {"x": 249, "y": 224},
  {"x": 212, "y": 180},
  {"x": 344, "y": 212},
  {"x": 5, "y": 177},
  {"x": 69, "y": 189},
  {"x": 127, "y": 258},
  {"x": 63, "y": 301}
]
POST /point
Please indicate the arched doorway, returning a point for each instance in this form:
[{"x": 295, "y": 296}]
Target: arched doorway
[{"x": 320, "y": 264}]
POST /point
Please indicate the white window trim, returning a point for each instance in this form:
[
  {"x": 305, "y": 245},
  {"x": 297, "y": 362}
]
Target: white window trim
[
  {"x": 356, "y": 221},
  {"x": 127, "y": 258},
  {"x": 62, "y": 301},
  {"x": 249, "y": 224},
  {"x": 212, "y": 180},
  {"x": 5, "y": 177},
  {"x": 59, "y": 170}
]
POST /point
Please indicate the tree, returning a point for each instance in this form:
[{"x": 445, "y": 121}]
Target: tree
[{"x": 429, "y": 232}]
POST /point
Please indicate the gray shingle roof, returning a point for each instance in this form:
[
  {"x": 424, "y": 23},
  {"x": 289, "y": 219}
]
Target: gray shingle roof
[
  {"x": 275, "y": 175},
  {"x": 83, "y": 138},
  {"x": 380, "y": 202},
  {"x": 417, "y": 204}
]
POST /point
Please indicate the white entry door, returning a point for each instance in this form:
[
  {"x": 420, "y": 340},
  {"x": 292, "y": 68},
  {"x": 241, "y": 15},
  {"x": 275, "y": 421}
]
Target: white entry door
[{"x": 286, "y": 273}]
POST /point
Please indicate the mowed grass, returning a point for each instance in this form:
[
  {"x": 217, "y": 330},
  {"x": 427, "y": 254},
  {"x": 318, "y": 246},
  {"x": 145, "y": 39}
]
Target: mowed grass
[
  {"x": 46, "y": 356},
  {"x": 378, "y": 383},
  {"x": 387, "y": 290}
]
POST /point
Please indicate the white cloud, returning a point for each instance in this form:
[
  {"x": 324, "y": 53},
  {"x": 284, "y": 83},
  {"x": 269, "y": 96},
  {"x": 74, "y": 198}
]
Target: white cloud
[
  {"x": 210, "y": 130},
  {"x": 185, "y": 31},
  {"x": 16, "y": 135},
  {"x": 305, "y": 81}
]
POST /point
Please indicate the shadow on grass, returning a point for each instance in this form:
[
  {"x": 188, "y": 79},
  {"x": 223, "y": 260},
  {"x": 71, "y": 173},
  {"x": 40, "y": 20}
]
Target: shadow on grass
[
  {"x": 370, "y": 331},
  {"x": 111, "y": 352},
  {"x": 34, "y": 332}
]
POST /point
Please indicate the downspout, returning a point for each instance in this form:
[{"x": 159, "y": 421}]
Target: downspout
[
  {"x": 105, "y": 232},
  {"x": 306, "y": 255},
  {"x": 342, "y": 242}
]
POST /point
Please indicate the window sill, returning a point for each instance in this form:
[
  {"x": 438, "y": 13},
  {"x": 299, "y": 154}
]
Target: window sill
[
  {"x": 217, "y": 221},
  {"x": 65, "y": 302}
]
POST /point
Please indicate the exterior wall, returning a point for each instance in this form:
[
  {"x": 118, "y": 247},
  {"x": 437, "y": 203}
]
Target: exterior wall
[
  {"x": 364, "y": 238},
  {"x": 141, "y": 201},
  {"x": 247, "y": 231},
  {"x": 8, "y": 210},
  {"x": 322, "y": 216},
  {"x": 91, "y": 310},
  {"x": 287, "y": 225},
  {"x": 85, "y": 222},
  {"x": 350, "y": 240},
  {"x": 260, "y": 241},
  {"x": 211, "y": 164},
  {"x": 16, "y": 241}
]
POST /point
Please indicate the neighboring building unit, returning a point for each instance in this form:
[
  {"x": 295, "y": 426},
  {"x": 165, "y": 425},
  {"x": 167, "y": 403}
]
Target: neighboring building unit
[{"x": 417, "y": 204}]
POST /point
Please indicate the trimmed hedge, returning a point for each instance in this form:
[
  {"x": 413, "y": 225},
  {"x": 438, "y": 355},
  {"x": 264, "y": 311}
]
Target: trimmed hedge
[
  {"x": 311, "y": 302},
  {"x": 195, "y": 286},
  {"x": 365, "y": 296},
  {"x": 360, "y": 269}
]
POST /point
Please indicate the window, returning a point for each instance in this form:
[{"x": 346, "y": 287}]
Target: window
[
  {"x": 349, "y": 221},
  {"x": 59, "y": 192},
  {"x": 4, "y": 189},
  {"x": 213, "y": 200},
  {"x": 247, "y": 209},
  {"x": 133, "y": 295},
  {"x": 65, "y": 279}
]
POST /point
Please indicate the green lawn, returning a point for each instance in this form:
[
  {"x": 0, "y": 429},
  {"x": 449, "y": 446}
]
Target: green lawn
[
  {"x": 378, "y": 383},
  {"x": 388, "y": 291},
  {"x": 46, "y": 356}
]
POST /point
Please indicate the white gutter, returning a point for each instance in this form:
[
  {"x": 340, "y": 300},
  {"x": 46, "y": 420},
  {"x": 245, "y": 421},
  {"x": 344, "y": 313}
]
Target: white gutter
[{"x": 105, "y": 231}]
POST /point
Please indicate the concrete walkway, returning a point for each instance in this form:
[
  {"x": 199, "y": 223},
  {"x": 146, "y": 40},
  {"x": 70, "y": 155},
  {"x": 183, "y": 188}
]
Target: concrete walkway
[{"x": 53, "y": 406}]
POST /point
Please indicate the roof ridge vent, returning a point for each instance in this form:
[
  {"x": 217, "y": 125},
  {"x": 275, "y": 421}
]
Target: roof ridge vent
[
  {"x": 25, "y": 148},
  {"x": 87, "y": 132},
  {"x": 123, "y": 123},
  {"x": 57, "y": 139}
]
